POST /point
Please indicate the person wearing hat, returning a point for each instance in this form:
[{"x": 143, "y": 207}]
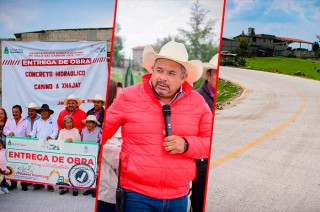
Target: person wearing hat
[
  {"x": 207, "y": 90},
  {"x": 17, "y": 126},
  {"x": 98, "y": 109},
  {"x": 72, "y": 104},
  {"x": 32, "y": 113},
  {"x": 91, "y": 133},
  {"x": 44, "y": 128},
  {"x": 156, "y": 170}
]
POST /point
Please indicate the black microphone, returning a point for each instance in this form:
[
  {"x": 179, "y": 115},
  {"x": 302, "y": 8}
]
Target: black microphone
[{"x": 166, "y": 110}]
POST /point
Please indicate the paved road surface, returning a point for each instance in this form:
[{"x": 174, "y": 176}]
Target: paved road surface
[{"x": 266, "y": 148}]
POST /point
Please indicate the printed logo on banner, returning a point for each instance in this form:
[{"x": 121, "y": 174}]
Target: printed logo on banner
[
  {"x": 12, "y": 51},
  {"x": 82, "y": 175},
  {"x": 11, "y": 143},
  {"x": 48, "y": 145},
  {"x": 6, "y": 50}
]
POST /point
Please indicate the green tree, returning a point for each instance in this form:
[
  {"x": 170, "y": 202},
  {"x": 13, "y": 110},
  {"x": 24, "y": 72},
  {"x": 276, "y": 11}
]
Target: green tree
[
  {"x": 117, "y": 56},
  {"x": 243, "y": 44},
  {"x": 199, "y": 40},
  {"x": 243, "y": 51},
  {"x": 161, "y": 41},
  {"x": 128, "y": 78}
]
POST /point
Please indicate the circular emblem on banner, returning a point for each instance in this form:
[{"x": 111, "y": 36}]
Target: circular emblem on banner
[{"x": 82, "y": 175}]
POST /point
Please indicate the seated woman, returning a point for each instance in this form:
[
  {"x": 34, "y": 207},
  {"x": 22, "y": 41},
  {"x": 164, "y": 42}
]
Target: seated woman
[{"x": 70, "y": 134}]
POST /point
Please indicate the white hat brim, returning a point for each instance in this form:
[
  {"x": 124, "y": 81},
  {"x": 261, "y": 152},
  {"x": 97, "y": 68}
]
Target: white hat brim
[
  {"x": 34, "y": 108},
  {"x": 193, "y": 68},
  {"x": 84, "y": 121},
  {"x": 75, "y": 99},
  {"x": 208, "y": 66},
  {"x": 102, "y": 100}
]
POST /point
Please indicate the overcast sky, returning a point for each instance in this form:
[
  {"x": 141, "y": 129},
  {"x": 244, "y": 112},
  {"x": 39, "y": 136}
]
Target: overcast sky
[
  {"x": 34, "y": 15},
  {"x": 143, "y": 21},
  {"x": 286, "y": 18}
]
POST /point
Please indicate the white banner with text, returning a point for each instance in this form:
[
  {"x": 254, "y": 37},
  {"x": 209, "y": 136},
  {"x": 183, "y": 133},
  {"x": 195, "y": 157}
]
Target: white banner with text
[
  {"x": 48, "y": 72},
  {"x": 53, "y": 162}
]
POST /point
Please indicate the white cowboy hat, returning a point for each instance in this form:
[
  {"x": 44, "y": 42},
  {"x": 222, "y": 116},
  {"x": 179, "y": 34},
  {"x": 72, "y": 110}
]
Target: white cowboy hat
[
  {"x": 213, "y": 63},
  {"x": 33, "y": 105},
  {"x": 91, "y": 118},
  {"x": 98, "y": 97},
  {"x": 72, "y": 97},
  {"x": 176, "y": 52}
]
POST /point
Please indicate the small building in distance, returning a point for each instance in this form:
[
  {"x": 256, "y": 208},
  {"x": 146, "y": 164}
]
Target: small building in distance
[
  {"x": 230, "y": 45},
  {"x": 267, "y": 45},
  {"x": 137, "y": 56}
]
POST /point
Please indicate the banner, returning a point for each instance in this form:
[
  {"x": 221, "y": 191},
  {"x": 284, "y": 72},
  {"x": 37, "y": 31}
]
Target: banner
[
  {"x": 48, "y": 72},
  {"x": 53, "y": 162}
]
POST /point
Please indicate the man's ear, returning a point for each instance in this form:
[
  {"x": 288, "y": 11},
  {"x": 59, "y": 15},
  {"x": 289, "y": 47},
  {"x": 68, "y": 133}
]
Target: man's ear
[
  {"x": 208, "y": 73},
  {"x": 152, "y": 68},
  {"x": 185, "y": 76}
]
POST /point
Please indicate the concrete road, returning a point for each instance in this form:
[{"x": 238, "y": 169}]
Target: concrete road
[
  {"x": 266, "y": 147},
  {"x": 45, "y": 201}
]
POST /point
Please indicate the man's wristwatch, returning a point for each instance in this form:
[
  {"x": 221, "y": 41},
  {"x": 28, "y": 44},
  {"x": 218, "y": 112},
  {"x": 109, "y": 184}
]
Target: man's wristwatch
[{"x": 186, "y": 146}]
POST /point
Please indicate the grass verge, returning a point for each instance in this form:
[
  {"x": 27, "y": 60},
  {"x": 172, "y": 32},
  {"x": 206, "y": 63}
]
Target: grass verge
[{"x": 307, "y": 68}]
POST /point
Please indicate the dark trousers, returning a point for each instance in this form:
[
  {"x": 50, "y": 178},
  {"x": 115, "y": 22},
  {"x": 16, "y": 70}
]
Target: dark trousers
[
  {"x": 198, "y": 186},
  {"x": 14, "y": 183},
  {"x": 136, "y": 202},
  {"x": 4, "y": 183},
  {"x": 105, "y": 207}
]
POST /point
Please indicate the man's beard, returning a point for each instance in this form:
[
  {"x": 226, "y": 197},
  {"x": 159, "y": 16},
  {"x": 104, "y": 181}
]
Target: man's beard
[
  {"x": 161, "y": 92},
  {"x": 71, "y": 109}
]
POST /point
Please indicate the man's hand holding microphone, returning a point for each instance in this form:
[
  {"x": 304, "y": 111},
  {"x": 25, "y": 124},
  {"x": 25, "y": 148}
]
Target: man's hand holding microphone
[{"x": 173, "y": 144}]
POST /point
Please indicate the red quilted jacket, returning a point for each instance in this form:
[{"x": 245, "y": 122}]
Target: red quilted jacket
[{"x": 147, "y": 168}]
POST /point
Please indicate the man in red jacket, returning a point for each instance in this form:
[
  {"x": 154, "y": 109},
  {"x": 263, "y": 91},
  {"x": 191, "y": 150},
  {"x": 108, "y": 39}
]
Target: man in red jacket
[
  {"x": 72, "y": 104},
  {"x": 156, "y": 170}
]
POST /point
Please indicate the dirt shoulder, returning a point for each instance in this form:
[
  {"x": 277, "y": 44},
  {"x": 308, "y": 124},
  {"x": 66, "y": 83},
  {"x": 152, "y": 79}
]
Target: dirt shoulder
[{"x": 232, "y": 101}]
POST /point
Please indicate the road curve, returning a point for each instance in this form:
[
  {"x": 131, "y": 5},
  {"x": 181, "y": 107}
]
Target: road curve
[{"x": 266, "y": 148}]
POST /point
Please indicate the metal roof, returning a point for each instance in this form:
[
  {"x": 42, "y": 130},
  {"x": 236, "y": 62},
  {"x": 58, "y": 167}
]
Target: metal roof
[{"x": 292, "y": 40}]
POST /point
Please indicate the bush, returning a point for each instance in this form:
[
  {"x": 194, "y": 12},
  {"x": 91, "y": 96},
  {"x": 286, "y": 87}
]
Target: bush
[
  {"x": 292, "y": 56},
  {"x": 243, "y": 52},
  {"x": 299, "y": 73},
  {"x": 241, "y": 61},
  {"x": 227, "y": 62}
]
